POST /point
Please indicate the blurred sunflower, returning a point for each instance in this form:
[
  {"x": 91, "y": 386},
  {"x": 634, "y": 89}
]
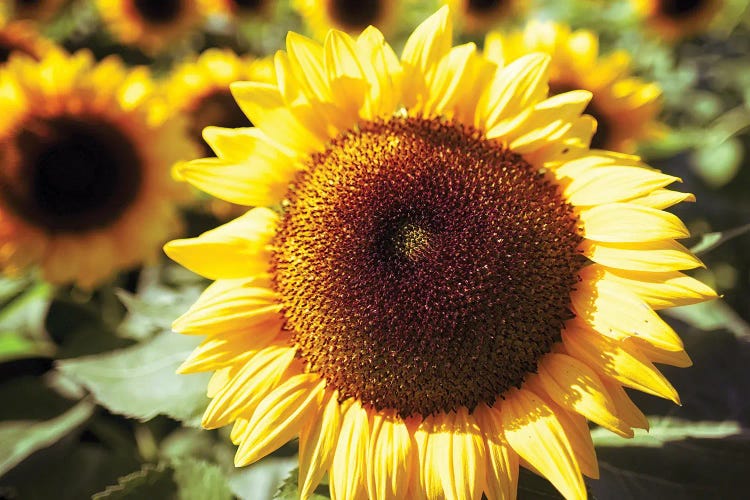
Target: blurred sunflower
[
  {"x": 415, "y": 304},
  {"x": 148, "y": 24},
  {"x": 85, "y": 185},
  {"x": 625, "y": 107},
  {"x": 675, "y": 19},
  {"x": 476, "y": 16},
  {"x": 237, "y": 8},
  {"x": 351, "y": 16},
  {"x": 22, "y": 38},
  {"x": 35, "y": 10},
  {"x": 200, "y": 90}
]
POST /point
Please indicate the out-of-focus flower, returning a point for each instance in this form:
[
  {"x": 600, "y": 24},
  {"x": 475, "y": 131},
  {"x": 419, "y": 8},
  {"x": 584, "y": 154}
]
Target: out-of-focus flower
[
  {"x": 85, "y": 185},
  {"x": 149, "y": 24},
  {"x": 20, "y": 37},
  {"x": 475, "y": 16},
  {"x": 200, "y": 90},
  {"x": 625, "y": 107},
  {"x": 675, "y": 19},
  {"x": 351, "y": 16},
  {"x": 33, "y": 10},
  {"x": 439, "y": 282}
]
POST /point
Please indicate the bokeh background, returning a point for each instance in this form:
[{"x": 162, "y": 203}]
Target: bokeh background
[{"x": 89, "y": 400}]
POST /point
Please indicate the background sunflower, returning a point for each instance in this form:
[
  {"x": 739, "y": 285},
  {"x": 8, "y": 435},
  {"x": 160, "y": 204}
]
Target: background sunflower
[{"x": 91, "y": 400}]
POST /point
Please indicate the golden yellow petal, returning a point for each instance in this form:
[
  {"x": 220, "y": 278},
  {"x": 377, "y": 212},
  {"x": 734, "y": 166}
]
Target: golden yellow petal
[
  {"x": 228, "y": 305},
  {"x": 573, "y": 385},
  {"x": 613, "y": 310},
  {"x": 630, "y": 223},
  {"x": 663, "y": 198},
  {"x": 318, "y": 438},
  {"x": 614, "y": 359},
  {"x": 658, "y": 289},
  {"x": 626, "y": 409},
  {"x": 242, "y": 393},
  {"x": 502, "y": 461},
  {"x": 461, "y": 464},
  {"x": 384, "y": 72},
  {"x": 535, "y": 433},
  {"x": 348, "y": 468},
  {"x": 390, "y": 458},
  {"x": 237, "y": 249},
  {"x": 429, "y": 436},
  {"x": 657, "y": 355},
  {"x": 449, "y": 83},
  {"x": 280, "y": 415},
  {"x": 306, "y": 58},
  {"x": 656, "y": 256},
  {"x": 607, "y": 184},
  {"x": 345, "y": 73}
]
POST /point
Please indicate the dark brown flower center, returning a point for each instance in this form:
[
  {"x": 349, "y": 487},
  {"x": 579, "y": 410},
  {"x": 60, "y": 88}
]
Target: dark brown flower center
[
  {"x": 249, "y": 5},
  {"x": 680, "y": 8},
  {"x": 9, "y": 46},
  {"x": 485, "y": 6},
  {"x": 158, "y": 11},
  {"x": 355, "y": 14},
  {"x": 217, "y": 108},
  {"x": 423, "y": 267},
  {"x": 70, "y": 174}
]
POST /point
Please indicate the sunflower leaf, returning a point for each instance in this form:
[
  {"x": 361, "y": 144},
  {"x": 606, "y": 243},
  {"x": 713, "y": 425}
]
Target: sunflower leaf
[
  {"x": 152, "y": 481},
  {"x": 289, "y": 489},
  {"x": 21, "y": 438},
  {"x": 710, "y": 316},
  {"x": 141, "y": 382},
  {"x": 710, "y": 241},
  {"x": 200, "y": 480}
]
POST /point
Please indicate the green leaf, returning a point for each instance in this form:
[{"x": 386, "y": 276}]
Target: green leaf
[
  {"x": 153, "y": 309},
  {"x": 16, "y": 345},
  {"x": 718, "y": 163},
  {"x": 667, "y": 429},
  {"x": 710, "y": 241},
  {"x": 200, "y": 480},
  {"x": 710, "y": 316},
  {"x": 152, "y": 481},
  {"x": 141, "y": 382},
  {"x": 19, "y": 439},
  {"x": 289, "y": 489}
]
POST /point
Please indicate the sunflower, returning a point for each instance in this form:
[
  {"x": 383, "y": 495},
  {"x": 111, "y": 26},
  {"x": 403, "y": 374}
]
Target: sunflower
[
  {"x": 85, "y": 185},
  {"x": 351, "y": 16},
  {"x": 439, "y": 281},
  {"x": 34, "y": 10},
  {"x": 475, "y": 16},
  {"x": 21, "y": 37},
  {"x": 675, "y": 19},
  {"x": 237, "y": 8},
  {"x": 151, "y": 25},
  {"x": 625, "y": 107}
]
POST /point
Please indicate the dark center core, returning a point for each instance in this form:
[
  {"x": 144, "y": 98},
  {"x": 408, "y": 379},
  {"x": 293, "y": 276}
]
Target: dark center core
[
  {"x": 8, "y": 47},
  {"x": 249, "y": 5},
  {"x": 680, "y": 8},
  {"x": 484, "y": 6},
  {"x": 72, "y": 174},
  {"x": 423, "y": 267},
  {"x": 219, "y": 109},
  {"x": 355, "y": 14},
  {"x": 158, "y": 11}
]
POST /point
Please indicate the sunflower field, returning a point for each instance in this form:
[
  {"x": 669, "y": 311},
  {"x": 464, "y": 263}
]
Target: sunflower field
[{"x": 374, "y": 249}]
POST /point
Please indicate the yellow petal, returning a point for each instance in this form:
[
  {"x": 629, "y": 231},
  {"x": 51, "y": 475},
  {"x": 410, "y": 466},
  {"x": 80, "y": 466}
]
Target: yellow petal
[
  {"x": 262, "y": 180},
  {"x": 383, "y": 69},
  {"x": 228, "y": 348},
  {"x": 317, "y": 442},
  {"x": 656, "y": 256},
  {"x": 306, "y": 60},
  {"x": 518, "y": 86},
  {"x": 502, "y": 461},
  {"x": 348, "y": 468},
  {"x": 461, "y": 464},
  {"x": 658, "y": 290},
  {"x": 612, "y": 358},
  {"x": 628, "y": 222},
  {"x": 265, "y": 107},
  {"x": 626, "y": 409},
  {"x": 228, "y": 305},
  {"x": 426, "y": 46},
  {"x": 242, "y": 393},
  {"x": 531, "y": 428},
  {"x": 280, "y": 415},
  {"x": 429, "y": 438},
  {"x": 663, "y": 198},
  {"x": 657, "y": 355},
  {"x": 389, "y": 458},
  {"x": 237, "y": 249},
  {"x": 613, "y": 310},
  {"x": 345, "y": 73},
  {"x": 573, "y": 385},
  {"x": 608, "y": 184},
  {"x": 450, "y": 81}
]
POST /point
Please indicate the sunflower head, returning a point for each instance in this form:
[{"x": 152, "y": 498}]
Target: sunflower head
[
  {"x": 33, "y": 10},
  {"x": 436, "y": 261},
  {"x": 351, "y": 16},
  {"x": 150, "y": 25},
  {"x": 85, "y": 187},
  {"x": 237, "y": 8},
  {"x": 677, "y": 19},
  {"x": 625, "y": 107}
]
